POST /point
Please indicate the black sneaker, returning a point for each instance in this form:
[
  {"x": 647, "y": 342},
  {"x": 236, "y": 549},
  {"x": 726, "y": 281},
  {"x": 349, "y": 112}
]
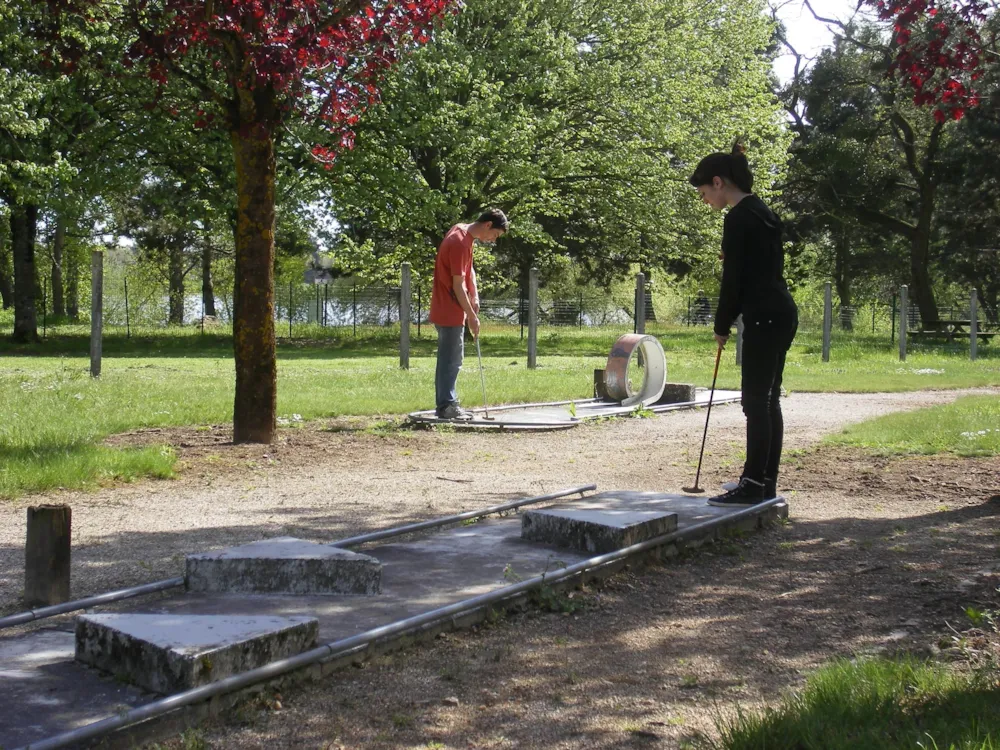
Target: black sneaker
[
  {"x": 746, "y": 494},
  {"x": 770, "y": 487},
  {"x": 454, "y": 411}
]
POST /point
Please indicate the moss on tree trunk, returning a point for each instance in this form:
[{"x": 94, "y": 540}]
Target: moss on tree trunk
[
  {"x": 23, "y": 225},
  {"x": 255, "y": 406}
]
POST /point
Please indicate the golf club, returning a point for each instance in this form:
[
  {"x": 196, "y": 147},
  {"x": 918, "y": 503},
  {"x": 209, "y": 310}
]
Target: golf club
[
  {"x": 696, "y": 489},
  {"x": 482, "y": 380}
]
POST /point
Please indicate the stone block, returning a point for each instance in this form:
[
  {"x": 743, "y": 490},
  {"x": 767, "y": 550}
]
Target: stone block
[
  {"x": 170, "y": 653},
  {"x": 595, "y": 531},
  {"x": 284, "y": 566},
  {"x": 677, "y": 393}
]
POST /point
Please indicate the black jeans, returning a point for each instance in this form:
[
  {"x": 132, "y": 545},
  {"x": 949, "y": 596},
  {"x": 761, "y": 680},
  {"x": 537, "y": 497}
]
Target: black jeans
[{"x": 765, "y": 345}]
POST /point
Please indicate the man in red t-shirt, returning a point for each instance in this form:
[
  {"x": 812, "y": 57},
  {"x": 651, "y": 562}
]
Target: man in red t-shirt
[{"x": 455, "y": 301}]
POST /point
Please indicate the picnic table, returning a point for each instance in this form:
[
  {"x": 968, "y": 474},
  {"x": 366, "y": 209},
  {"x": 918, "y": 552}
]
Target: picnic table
[{"x": 950, "y": 329}]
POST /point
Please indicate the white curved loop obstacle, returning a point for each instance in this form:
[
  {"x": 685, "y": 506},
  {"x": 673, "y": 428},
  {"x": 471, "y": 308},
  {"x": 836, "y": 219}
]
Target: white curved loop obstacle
[{"x": 637, "y": 348}]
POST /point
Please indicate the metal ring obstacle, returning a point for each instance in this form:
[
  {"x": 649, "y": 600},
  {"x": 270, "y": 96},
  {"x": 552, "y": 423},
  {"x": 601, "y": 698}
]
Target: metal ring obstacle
[{"x": 647, "y": 352}]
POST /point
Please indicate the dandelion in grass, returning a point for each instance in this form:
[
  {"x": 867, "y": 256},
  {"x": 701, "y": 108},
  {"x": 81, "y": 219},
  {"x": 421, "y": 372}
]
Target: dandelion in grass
[{"x": 977, "y": 434}]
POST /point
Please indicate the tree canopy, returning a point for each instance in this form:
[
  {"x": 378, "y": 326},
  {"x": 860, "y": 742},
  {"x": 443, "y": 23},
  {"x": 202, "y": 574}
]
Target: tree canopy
[{"x": 582, "y": 120}]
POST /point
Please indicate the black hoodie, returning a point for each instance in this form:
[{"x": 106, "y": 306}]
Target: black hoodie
[{"x": 752, "y": 268}]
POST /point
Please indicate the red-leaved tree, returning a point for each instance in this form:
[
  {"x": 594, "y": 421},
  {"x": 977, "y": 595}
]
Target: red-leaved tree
[
  {"x": 252, "y": 67},
  {"x": 941, "y": 48}
]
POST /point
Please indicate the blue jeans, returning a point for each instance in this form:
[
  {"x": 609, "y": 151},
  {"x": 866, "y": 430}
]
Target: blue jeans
[{"x": 451, "y": 352}]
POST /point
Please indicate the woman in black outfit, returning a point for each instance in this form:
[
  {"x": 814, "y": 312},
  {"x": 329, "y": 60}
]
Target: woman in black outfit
[{"x": 752, "y": 285}]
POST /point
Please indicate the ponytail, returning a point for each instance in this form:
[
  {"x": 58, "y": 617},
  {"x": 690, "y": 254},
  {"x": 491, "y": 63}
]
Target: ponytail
[{"x": 733, "y": 167}]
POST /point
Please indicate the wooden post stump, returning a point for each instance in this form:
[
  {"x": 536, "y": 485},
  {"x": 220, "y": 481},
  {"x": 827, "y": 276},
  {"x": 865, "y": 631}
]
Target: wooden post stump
[{"x": 47, "y": 555}]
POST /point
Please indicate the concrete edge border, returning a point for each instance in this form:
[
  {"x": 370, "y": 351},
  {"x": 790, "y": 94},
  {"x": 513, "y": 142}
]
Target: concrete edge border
[
  {"x": 655, "y": 550},
  {"x": 35, "y": 615},
  {"x": 427, "y": 418}
]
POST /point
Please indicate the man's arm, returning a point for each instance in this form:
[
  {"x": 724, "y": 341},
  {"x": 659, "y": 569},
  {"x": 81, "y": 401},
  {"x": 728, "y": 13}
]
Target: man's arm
[
  {"x": 458, "y": 285},
  {"x": 474, "y": 288}
]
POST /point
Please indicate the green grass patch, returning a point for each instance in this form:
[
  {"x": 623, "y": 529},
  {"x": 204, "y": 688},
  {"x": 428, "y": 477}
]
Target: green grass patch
[
  {"x": 53, "y": 416},
  {"x": 970, "y": 426},
  {"x": 81, "y": 467},
  {"x": 860, "y": 363},
  {"x": 876, "y": 703}
]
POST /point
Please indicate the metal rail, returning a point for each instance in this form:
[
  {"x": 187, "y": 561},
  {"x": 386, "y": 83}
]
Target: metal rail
[
  {"x": 22, "y": 618},
  {"x": 472, "y": 424},
  {"x": 445, "y": 520},
  {"x": 357, "y": 643},
  {"x": 513, "y": 407},
  {"x": 33, "y": 615}
]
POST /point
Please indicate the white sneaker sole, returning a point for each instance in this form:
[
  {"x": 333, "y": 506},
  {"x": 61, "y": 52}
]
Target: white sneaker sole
[{"x": 733, "y": 505}]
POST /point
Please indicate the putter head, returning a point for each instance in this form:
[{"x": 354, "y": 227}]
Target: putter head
[{"x": 693, "y": 490}]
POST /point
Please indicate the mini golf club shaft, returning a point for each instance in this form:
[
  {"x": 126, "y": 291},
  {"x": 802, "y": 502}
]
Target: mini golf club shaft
[
  {"x": 482, "y": 378},
  {"x": 704, "y": 435}
]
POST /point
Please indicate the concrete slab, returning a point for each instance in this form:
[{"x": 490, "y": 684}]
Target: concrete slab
[
  {"x": 419, "y": 574},
  {"x": 596, "y": 531},
  {"x": 170, "y": 653},
  {"x": 284, "y": 565},
  {"x": 678, "y": 393},
  {"x": 43, "y": 688},
  {"x": 564, "y": 415}
]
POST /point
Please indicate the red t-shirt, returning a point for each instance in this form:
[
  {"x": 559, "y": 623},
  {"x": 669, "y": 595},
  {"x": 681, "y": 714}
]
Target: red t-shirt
[{"x": 454, "y": 258}]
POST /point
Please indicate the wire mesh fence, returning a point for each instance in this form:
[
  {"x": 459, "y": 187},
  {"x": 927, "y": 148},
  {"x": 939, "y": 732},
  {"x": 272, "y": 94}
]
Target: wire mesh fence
[{"x": 138, "y": 304}]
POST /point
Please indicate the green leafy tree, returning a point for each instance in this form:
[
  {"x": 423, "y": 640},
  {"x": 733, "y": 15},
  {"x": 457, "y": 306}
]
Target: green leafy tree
[
  {"x": 28, "y": 164},
  {"x": 252, "y": 69},
  {"x": 58, "y": 155},
  {"x": 970, "y": 198},
  {"x": 866, "y": 154},
  {"x": 581, "y": 120},
  {"x": 162, "y": 220}
]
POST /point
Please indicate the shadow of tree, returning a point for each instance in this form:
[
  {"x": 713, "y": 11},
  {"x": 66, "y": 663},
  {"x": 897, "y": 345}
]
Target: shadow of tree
[
  {"x": 123, "y": 559},
  {"x": 653, "y": 658}
]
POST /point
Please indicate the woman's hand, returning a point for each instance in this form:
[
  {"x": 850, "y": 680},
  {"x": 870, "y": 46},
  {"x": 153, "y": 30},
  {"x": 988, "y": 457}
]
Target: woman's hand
[{"x": 721, "y": 341}]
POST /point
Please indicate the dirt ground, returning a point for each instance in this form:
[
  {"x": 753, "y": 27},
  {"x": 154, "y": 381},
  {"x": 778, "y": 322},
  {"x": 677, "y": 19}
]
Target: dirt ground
[{"x": 879, "y": 553}]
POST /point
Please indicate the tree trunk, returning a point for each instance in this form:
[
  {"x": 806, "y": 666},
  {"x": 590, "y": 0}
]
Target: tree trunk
[
  {"x": 6, "y": 290},
  {"x": 72, "y": 259},
  {"x": 989, "y": 294},
  {"x": 255, "y": 405},
  {"x": 842, "y": 280},
  {"x": 58, "y": 303},
  {"x": 920, "y": 260},
  {"x": 175, "y": 285},
  {"x": 23, "y": 225},
  {"x": 207, "y": 289}
]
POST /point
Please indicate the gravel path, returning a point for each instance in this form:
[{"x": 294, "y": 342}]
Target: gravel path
[
  {"x": 322, "y": 484},
  {"x": 880, "y": 554}
]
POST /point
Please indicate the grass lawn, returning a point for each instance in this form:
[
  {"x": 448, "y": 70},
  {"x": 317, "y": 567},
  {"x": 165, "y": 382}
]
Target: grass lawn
[
  {"x": 876, "y": 703},
  {"x": 54, "y": 415},
  {"x": 968, "y": 427}
]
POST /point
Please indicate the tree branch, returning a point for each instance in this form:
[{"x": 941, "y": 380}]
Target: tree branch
[
  {"x": 932, "y": 146},
  {"x": 844, "y": 31},
  {"x": 884, "y": 220},
  {"x": 906, "y": 138}
]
